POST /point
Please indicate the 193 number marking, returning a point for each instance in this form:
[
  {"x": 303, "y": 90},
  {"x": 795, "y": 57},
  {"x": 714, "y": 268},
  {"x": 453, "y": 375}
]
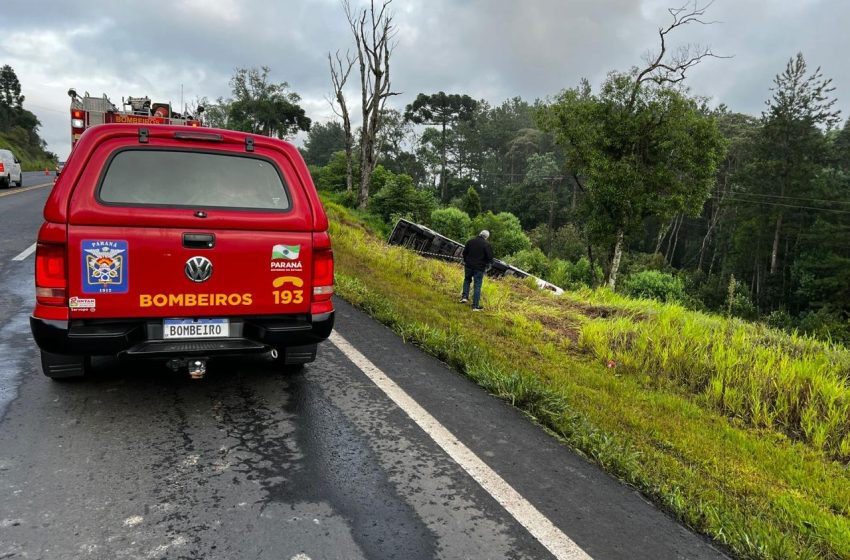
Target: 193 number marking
[{"x": 285, "y": 297}]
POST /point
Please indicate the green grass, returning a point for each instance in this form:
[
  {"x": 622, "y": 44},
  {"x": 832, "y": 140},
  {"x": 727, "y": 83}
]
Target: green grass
[
  {"x": 765, "y": 378},
  {"x": 32, "y": 158},
  {"x": 733, "y": 428}
]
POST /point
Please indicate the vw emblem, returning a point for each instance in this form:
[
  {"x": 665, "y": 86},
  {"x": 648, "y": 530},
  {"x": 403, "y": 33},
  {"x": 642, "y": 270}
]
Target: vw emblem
[{"x": 198, "y": 269}]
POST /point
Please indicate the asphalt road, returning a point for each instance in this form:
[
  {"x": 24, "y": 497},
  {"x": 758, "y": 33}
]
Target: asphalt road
[
  {"x": 37, "y": 178},
  {"x": 138, "y": 462}
]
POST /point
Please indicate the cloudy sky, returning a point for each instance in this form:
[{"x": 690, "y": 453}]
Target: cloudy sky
[{"x": 490, "y": 49}]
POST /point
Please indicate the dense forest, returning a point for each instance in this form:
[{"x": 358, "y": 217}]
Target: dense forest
[
  {"x": 19, "y": 127},
  {"x": 638, "y": 184}
]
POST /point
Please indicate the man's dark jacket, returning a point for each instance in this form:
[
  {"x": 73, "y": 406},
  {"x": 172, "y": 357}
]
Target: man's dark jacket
[{"x": 477, "y": 253}]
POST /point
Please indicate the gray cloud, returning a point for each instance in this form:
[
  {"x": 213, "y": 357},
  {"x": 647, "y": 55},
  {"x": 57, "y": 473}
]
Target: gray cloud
[{"x": 492, "y": 49}]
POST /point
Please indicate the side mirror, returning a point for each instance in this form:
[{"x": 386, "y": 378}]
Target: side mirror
[{"x": 17, "y": 160}]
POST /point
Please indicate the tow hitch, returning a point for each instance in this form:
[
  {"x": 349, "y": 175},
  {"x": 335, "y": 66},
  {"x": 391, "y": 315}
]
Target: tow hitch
[
  {"x": 197, "y": 366},
  {"x": 197, "y": 369}
]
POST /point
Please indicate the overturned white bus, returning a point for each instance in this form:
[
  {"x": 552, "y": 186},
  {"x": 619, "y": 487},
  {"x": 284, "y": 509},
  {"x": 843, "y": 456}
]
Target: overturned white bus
[{"x": 429, "y": 243}]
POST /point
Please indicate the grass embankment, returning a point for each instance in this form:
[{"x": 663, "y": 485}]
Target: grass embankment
[
  {"x": 739, "y": 431},
  {"x": 32, "y": 158}
]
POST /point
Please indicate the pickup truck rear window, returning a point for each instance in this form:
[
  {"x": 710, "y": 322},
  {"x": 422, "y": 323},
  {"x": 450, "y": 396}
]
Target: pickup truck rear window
[{"x": 195, "y": 179}]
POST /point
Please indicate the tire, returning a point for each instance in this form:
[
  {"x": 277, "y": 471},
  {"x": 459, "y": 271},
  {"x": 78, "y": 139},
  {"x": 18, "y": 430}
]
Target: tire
[
  {"x": 20, "y": 182},
  {"x": 5, "y": 182},
  {"x": 60, "y": 366}
]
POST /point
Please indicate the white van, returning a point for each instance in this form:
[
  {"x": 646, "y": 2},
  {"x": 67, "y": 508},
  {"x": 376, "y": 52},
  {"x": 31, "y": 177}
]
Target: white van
[{"x": 10, "y": 170}]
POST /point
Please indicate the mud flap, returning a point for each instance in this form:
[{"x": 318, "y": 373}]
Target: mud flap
[
  {"x": 63, "y": 366},
  {"x": 295, "y": 355}
]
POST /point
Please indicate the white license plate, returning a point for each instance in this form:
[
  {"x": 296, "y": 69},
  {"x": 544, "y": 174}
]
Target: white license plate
[{"x": 195, "y": 328}]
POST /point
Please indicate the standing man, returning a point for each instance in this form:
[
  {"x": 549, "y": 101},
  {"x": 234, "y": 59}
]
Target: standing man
[{"x": 477, "y": 256}]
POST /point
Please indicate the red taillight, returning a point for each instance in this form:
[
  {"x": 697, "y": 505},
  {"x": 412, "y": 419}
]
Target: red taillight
[
  {"x": 323, "y": 274},
  {"x": 50, "y": 280},
  {"x": 76, "y": 114},
  {"x": 2, "y": 168}
]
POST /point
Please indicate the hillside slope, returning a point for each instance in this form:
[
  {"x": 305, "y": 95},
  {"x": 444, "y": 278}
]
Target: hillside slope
[
  {"x": 740, "y": 431},
  {"x": 32, "y": 156}
]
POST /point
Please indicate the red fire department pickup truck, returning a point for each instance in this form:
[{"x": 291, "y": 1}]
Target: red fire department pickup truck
[{"x": 181, "y": 244}]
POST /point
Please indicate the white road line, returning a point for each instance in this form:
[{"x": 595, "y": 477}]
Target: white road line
[
  {"x": 540, "y": 527},
  {"x": 25, "y": 253}
]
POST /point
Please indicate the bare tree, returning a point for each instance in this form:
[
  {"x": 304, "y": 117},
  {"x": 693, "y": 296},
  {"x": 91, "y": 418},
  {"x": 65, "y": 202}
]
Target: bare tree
[
  {"x": 717, "y": 208},
  {"x": 673, "y": 240},
  {"x": 373, "y": 31},
  {"x": 666, "y": 68},
  {"x": 339, "y": 76}
]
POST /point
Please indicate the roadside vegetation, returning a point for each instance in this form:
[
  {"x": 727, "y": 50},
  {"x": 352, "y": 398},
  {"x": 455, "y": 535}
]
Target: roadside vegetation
[
  {"x": 19, "y": 127},
  {"x": 33, "y": 158},
  {"x": 739, "y": 430}
]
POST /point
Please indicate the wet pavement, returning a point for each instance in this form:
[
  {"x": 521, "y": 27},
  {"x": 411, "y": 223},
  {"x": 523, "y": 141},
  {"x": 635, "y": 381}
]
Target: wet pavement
[{"x": 252, "y": 462}]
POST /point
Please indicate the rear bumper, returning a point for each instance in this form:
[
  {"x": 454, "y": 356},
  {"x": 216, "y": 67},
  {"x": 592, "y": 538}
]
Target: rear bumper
[{"x": 143, "y": 338}]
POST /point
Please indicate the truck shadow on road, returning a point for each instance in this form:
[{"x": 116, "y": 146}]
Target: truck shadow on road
[
  {"x": 249, "y": 445},
  {"x": 107, "y": 369}
]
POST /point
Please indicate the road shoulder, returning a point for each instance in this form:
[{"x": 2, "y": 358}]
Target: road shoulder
[{"x": 604, "y": 517}]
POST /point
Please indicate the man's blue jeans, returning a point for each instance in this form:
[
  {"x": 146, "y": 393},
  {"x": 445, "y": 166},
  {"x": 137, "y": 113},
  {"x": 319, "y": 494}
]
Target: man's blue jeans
[{"x": 468, "y": 276}]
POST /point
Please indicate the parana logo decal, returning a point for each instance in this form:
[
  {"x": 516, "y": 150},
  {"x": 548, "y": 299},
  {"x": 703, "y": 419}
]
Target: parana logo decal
[
  {"x": 289, "y": 252},
  {"x": 285, "y": 258}
]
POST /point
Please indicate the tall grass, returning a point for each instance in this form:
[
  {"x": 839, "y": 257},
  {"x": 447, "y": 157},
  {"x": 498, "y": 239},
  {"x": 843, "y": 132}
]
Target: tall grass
[{"x": 766, "y": 378}]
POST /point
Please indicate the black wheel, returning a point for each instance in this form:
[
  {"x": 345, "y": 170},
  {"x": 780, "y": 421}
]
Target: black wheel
[
  {"x": 20, "y": 182},
  {"x": 61, "y": 366},
  {"x": 6, "y": 182}
]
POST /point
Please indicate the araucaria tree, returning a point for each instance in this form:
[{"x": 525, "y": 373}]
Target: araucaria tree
[
  {"x": 373, "y": 31},
  {"x": 20, "y": 124},
  {"x": 791, "y": 150},
  {"x": 444, "y": 111},
  {"x": 641, "y": 147},
  {"x": 10, "y": 88},
  {"x": 12, "y": 112}
]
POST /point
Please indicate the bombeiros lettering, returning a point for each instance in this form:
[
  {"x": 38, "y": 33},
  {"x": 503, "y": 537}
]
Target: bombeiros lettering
[{"x": 195, "y": 300}]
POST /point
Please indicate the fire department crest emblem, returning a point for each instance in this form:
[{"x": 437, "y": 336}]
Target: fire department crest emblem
[{"x": 104, "y": 267}]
